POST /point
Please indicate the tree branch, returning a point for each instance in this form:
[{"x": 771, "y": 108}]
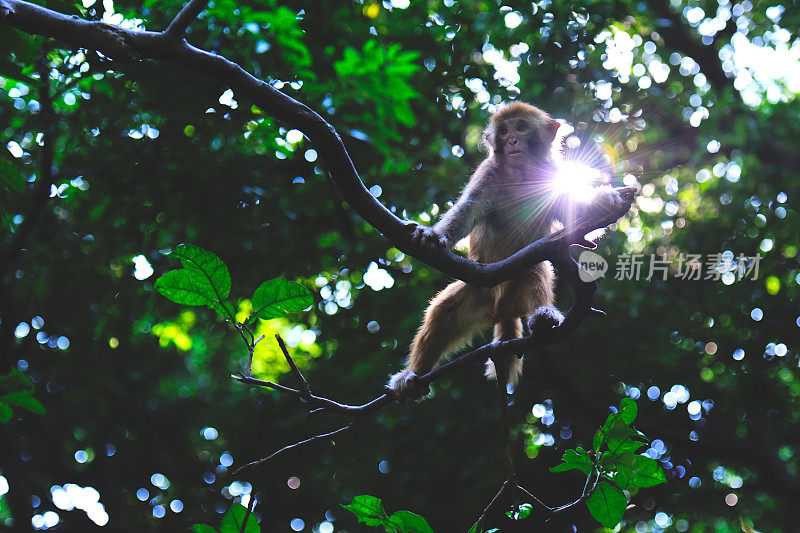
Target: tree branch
[
  {"x": 581, "y": 307},
  {"x": 126, "y": 45},
  {"x": 187, "y": 15}
]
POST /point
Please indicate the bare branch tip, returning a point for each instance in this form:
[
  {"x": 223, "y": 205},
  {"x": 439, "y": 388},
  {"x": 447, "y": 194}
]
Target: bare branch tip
[{"x": 6, "y": 10}]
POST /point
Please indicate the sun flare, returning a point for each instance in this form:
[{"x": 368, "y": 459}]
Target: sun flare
[{"x": 576, "y": 180}]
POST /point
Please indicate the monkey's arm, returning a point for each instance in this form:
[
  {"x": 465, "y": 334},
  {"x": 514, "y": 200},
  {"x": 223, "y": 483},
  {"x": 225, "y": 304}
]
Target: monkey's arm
[
  {"x": 458, "y": 221},
  {"x": 471, "y": 205},
  {"x": 605, "y": 199}
]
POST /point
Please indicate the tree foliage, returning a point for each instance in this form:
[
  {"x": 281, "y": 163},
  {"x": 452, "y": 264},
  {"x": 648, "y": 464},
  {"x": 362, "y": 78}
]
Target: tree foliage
[{"x": 695, "y": 102}]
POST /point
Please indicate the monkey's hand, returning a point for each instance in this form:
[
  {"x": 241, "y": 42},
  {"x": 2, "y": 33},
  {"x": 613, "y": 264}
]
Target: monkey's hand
[
  {"x": 405, "y": 385},
  {"x": 608, "y": 200},
  {"x": 424, "y": 235},
  {"x": 545, "y": 318}
]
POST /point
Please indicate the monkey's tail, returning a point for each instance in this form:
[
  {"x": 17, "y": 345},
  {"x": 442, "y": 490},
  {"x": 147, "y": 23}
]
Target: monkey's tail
[{"x": 513, "y": 369}]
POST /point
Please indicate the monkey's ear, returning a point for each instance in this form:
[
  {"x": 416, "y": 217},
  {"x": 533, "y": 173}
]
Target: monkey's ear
[
  {"x": 552, "y": 128},
  {"x": 487, "y": 142}
]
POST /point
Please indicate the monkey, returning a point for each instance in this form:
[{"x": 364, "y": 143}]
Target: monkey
[{"x": 508, "y": 203}]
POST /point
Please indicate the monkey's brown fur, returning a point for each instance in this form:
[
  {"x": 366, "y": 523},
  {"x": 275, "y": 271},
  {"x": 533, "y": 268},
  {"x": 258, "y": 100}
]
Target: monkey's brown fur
[{"x": 507, "y": 204}]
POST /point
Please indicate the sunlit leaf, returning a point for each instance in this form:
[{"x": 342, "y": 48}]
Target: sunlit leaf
[
  {"x": 577, "y": 459},
  {"x": 408, "y": 522},
  {"x": 203, "y": 280},
  {"x": 276, "y": 297},
  {"x": 521, "y": 513},
  {"x": 368, "y": 510},
  {"x": 233, "y": 519},
  {"x": 195, "y": 258},
  {"x": 638, "y": 471},
  {"x": 607, "y": 504},
  {"x": 628, "y": 410},
  {"x": 622, "y": 438},
  {"x": 186, "y": 288}
]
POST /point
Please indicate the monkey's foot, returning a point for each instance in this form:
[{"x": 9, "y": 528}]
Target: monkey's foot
[
  {"x": 424, "y": 235},
  {"x": 406, "y": 385},
  {"x": 545, "y": 318}
]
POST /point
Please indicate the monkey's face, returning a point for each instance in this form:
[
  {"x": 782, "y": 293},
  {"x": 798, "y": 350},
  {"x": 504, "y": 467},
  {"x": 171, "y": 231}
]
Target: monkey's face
[{"x": 521, "y": 137}]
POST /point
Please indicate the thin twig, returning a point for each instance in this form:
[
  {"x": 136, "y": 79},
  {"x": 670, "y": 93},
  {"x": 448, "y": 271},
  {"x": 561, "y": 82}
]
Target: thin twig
[
  {"x": 326, "y": 403},
  {"x": 251, "y": 505},
  {"x": 479, "y": 524},
  {"x": 505, "y": 427},
  {"x": 346, "y": 429},
  {"x": 584, "y": 495},
  {"x": 251, "y": 349},
  {"x": 533, "y": 498},
  {"x": 182, "y": 20},
  {"x": 305, "y": 390},
  {"x": 6, "y": 10}
]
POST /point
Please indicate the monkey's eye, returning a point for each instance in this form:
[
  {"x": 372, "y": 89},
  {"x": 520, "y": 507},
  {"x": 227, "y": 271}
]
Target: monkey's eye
[
  {"x": 522, "y": 126},
  {"x": 503, "y": 130}
]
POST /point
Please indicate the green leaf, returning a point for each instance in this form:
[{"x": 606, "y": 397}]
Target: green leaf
[
  {"x": 202, "y": 261},
  {"x": 523, "y": 512},
  {"x": 637, "y": 471},
  {"x": 408, "y": 522},
  {"x": 202, "y": 528},
  {"x": 276, "y": 297},
  {"x": 628, "y": 410},
  {"x": 368, "y": 510},
  {"x": 623, "y": 439},
  {"x": 185, "y": 287},
  {"x": 224, "y": 308},
  {"x": 618, "y": 434},
  {"x": 5, "y": 413},
  {"x": 25, "y": 400},
  {"x": 15, "y": 381},
  {"x": 203, "y": 280},
  {"x": 607, "y": 504},
  {"x": 598, "y": 440},
  {"x": 474, "y": 529},
  {"x": 577, "y": 459},
  {"x": 233, "y": 519}
]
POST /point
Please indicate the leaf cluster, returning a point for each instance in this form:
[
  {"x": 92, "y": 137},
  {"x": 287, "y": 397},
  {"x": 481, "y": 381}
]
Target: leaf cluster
[
  {"x": 205, "y": 280},
  {"x": 369, "y": 510},
  {"x": 614, "y": 464}
]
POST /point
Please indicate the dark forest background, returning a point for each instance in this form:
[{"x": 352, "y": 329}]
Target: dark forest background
[{"x": 693, "y": 102}]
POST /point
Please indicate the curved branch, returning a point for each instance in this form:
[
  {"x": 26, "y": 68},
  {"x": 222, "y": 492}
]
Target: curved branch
[
  {"x": 126, "y": 45},
  {"x": 186, "y": 16},
  {"x": 581, "y": 307}
]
